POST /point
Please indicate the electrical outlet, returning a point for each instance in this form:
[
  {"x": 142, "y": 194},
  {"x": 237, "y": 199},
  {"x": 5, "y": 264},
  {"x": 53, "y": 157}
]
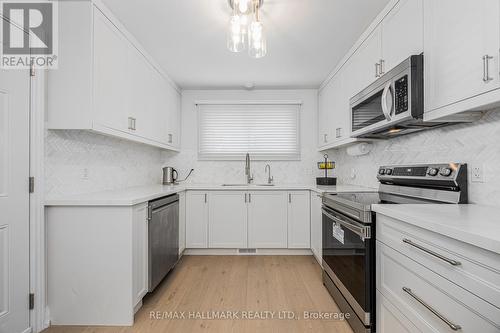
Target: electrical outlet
[
  {"x": 477, "y": 174},
  {"x": 85, "y": 174}
]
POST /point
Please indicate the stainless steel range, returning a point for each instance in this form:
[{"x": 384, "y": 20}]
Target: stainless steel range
[{"x": 349, "y": 230}]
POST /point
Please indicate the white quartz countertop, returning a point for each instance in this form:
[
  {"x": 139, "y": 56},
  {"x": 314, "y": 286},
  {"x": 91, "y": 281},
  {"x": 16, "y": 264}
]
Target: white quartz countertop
[
  {"x": 136, "y": 195},
  {"x": 473, "y": 224}
]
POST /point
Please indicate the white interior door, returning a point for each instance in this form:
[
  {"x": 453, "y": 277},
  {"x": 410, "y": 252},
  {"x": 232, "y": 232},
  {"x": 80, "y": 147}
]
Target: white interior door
[{"x": 14, "y": 200}]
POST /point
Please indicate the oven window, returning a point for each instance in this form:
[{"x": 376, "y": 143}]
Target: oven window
[
  {"x": 368, "y": 112},
  {"x": 349, "y": 261}
]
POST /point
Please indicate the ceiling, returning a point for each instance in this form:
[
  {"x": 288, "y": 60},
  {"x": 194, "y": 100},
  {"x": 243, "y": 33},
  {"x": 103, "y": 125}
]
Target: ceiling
[{"x": 305, "y": 39}]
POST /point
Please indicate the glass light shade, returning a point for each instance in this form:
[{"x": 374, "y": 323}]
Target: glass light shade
[
  {"x": 257, "y": 47},
  {"x": 235, "y": 35}
]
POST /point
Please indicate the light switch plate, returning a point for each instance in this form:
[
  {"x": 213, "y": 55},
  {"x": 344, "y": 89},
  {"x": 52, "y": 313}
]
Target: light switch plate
[{"x": 477, "y": 173}]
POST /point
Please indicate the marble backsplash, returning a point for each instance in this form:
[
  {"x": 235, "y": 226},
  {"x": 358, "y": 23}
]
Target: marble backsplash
[
  {"x": 474, "y": 144},
  {"x": 83, "y": 162}
]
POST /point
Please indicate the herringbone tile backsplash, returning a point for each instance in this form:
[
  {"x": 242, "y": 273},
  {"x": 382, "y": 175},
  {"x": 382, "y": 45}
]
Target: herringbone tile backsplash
[
  {"x": 110, "y": 163},
  {"x": 476, "y": 144}
]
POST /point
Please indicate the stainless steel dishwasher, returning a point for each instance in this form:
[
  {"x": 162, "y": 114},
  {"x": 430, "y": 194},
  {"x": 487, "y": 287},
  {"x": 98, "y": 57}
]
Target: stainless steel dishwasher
[{"x": 163, "y": 230}]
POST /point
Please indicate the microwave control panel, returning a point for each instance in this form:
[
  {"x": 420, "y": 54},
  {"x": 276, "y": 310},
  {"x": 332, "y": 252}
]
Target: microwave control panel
[{"x": 401, "y": 95}]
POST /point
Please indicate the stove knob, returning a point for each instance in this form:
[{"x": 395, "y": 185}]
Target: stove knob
[
  {"x": 381, "y": 172},
  {"x": 445, "y": 172},
  {"x": 388, "y": 172},
  {"x": 433, "y": 172}
]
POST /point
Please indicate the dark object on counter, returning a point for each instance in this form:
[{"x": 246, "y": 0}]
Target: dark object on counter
[
  {"x": 330, "y": 181},
  {"x": 326, "y": 165}
]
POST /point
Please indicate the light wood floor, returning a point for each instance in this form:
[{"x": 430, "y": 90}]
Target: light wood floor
[{"x": 234, "y": 283}]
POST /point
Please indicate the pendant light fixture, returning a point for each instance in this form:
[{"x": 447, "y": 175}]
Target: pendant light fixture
[{"x": 245, "y": 27}]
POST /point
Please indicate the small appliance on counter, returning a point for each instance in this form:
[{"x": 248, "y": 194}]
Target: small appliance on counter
[
  {"x": 326, "y": 165},
  {"x": 170, "y": 176}
]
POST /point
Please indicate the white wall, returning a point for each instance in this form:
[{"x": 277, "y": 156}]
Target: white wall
[
  {"x": 475, "y": 144},
  {"x": 111, "y": 163},
  {"x": 302, "y": 171}
]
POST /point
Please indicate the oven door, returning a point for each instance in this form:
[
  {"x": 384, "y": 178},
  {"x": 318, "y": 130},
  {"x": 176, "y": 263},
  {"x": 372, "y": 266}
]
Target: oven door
[{"x": 349, "y": 260}]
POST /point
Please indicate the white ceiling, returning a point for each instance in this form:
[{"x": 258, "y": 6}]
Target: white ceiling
[{"x": 306, "y": 39}]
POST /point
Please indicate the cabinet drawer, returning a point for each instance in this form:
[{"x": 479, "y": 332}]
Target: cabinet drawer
[
  {"x": 476, "y": 270},
  {"x": 390, "y": 319},
  {"x": 423, "y": 297}
]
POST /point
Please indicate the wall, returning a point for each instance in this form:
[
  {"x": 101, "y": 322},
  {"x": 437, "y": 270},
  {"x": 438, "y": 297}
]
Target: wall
[
  {"x": 219, "y": 172},
  {"x": 475, "y": 144},
  {"x": 111, "y": 163}
]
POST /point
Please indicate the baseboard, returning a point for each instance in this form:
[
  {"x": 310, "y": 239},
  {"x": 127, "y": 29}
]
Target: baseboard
[{"x": 259, "y": 252}]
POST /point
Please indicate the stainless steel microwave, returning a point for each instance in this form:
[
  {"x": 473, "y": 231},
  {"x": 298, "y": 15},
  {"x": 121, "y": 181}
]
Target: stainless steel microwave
[{"x": 393, "y": 105}]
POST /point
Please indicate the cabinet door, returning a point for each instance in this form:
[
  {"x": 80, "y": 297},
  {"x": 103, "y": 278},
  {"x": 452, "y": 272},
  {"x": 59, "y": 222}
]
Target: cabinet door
[
  {"x": 363, "y": 62},
  {"x": 173, "y": 109},
  {"x": 333, "y": 115},
  {"x": 324, "y": 109},
  {"x": 316, "y": 226},
  {"x": 402, "y": 33},
  {"x": 112, "y": 102},
  {"x": 182, "y": 222},
  {"x": 390, "y": 320},
  {"x": 140, "y": 252},
  {"x": 458, "y": 34},
  {"x": 227, "y": 222},
  {"x": 267, "y": 220},
  {"x": 196, "y": 220},
  {"x": 299, "y": 220}
]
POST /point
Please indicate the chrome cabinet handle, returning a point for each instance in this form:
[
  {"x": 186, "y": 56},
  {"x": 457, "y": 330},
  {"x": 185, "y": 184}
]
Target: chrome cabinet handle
[
  {"x": 131, "y": 123},
  {"x": 245, "y": 198},
  {"x": 432, "y": 253},
  {"x": 249, "y": 198},
  {"x": 453, "y": 326},
  {"x": 325, "y": 138},
  {"x": 377, "y": 71},
  {"x": 205, "y": 198},
  {"x": 382, "y": 71},
  {"x": 486, "y": 68},
  {"x": 289, "y": 198},
  {"x": 170, "y": 138}
]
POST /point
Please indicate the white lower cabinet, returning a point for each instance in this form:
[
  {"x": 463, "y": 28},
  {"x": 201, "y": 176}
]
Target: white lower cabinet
[
  {"x": 299, "y": 231},
  {"x": 267, "y": 219},
  {"x": 227, "y": 219},
  {"x": 430, "y": 283},
  {"x": 316, "y": 226},
  {"x": 139, "y": 253},
  {"x": 390, "y": 319},
  {"x": 196, "y": 220},
  {"x": 182, "y": 222},
  {"x": 98, "y": 268}
]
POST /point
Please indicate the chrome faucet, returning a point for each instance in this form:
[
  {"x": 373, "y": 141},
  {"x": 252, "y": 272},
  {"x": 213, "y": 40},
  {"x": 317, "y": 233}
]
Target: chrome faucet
[
  {"x": 247, "y": 169},
  {"x": 269, "y": 178}
]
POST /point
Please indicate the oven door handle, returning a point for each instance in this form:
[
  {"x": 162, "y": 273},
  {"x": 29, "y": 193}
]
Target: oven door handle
[{"x": 364, "y": 232}]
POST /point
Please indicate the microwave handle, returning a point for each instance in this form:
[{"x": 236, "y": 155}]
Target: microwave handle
[{"x": 385, "y": 108}]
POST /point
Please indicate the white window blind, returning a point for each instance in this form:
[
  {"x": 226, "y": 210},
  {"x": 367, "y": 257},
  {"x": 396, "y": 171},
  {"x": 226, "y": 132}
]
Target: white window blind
[{"x": 266, "y": 131}]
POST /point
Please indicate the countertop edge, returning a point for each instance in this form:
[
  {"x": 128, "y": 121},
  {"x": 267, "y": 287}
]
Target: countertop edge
[{"x": 479, "y": 241}]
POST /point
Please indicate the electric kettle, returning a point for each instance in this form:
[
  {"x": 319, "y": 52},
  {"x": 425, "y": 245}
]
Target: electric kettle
[{"x": 169, "y": 176}]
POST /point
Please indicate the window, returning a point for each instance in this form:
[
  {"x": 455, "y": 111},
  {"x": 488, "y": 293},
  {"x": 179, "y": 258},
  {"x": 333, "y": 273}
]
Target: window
[{"x": 266, "y": 131}]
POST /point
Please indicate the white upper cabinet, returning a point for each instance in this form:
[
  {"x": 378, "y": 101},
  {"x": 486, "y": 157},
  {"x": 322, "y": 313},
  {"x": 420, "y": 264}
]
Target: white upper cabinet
[
  {"x": 365, "y": 62},
  {"x": 227, "y": 219},
  {"x": 402, "y": 33},
  {"x": 107, "y": 83},
  {"x": 462, "y": 41}
]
